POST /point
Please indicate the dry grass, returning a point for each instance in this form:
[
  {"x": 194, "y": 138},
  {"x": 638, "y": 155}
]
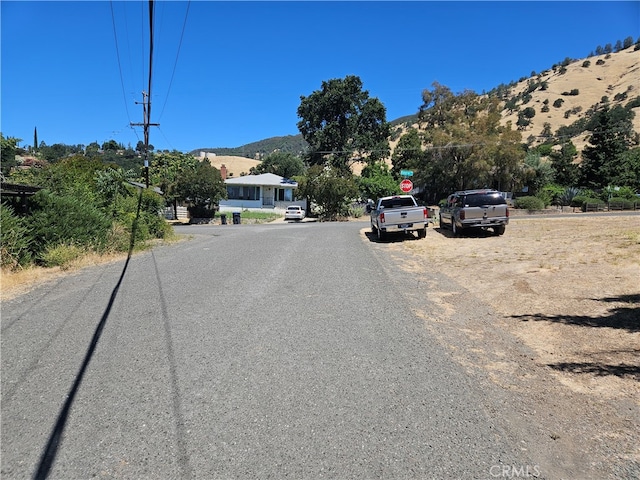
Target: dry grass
[
  {"x": 17, "y": 282},
  {"x": 567, "y": 287}
]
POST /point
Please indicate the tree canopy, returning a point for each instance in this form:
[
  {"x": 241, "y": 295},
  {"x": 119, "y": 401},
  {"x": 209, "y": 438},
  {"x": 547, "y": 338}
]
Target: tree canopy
[
  {"x": 343, "y": 125},
  {"x": 284, "y": 164}
]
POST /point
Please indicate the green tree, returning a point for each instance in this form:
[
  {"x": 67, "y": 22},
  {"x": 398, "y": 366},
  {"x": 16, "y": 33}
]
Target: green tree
[
  {"x": 538, "y": 172},
  {"x": 625, "y": 169},
  {"x": 377, "y": 181},
  {"x": 408, "y": 153},
  {"x": 343, "y": 125},
  {"x": 329, "y": 189},
  {"x": 466, "y": 145},
  {"x": 202, "y": 188},
  {"x": 8, "y": 148},
  {"x": 166, "y": 171},
  {"x": 565, "y": 170},
  {"x": 611, "y": 135},
  {"x": 284, "y": 164}
]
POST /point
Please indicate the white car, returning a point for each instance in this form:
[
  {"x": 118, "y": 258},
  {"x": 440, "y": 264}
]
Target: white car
[{"x": 294, "y": 212}]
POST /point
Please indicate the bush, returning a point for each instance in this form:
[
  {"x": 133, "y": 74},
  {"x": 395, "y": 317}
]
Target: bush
[
  {"x": 529, "y": 203},
  {"x": 61, "y": 255},
  {"x": 15, "y": 240},
  {"x": 589, "y": 201},
  {"x": 59, "y": 220},
  {"x": 621, "y": 203}
]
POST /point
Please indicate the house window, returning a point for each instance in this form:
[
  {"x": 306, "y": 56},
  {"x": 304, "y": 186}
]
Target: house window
[
  {"x": 233, "y": 193},
  {"x": 243, "y": 192},
  {"x": 284, "y": 194}
]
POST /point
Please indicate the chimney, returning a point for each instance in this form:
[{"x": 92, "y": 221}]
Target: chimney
[{"x": 223, "y": 171}]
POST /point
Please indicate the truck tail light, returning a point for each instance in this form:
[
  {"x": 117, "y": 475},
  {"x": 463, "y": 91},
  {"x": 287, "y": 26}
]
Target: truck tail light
[
  {"x": 507, "y": 212},
  {"x": 462, "y": 215},
  {"x": 382, "y": 217},
  {"x": 425, "y": 212}
]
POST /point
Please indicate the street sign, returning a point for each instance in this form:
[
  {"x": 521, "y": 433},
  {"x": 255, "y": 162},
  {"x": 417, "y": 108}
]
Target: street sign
[
  {"x": 406, "y": 185},
  {"x": 406, "y": 173}
]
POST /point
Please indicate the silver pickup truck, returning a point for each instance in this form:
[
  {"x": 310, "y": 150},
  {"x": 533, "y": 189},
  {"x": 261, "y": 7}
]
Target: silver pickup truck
[
  {"x": 475, "y": 209},
  {"x": 398, "y": 213}
]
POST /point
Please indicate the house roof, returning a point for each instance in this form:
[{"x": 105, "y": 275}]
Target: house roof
[{"x": 265, "y": 179}]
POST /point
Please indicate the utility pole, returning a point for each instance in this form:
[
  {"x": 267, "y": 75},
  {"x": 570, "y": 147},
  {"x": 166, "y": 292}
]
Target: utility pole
[
  {"x": 146, "y": 101},
  {"x": 146, "y": 109}
]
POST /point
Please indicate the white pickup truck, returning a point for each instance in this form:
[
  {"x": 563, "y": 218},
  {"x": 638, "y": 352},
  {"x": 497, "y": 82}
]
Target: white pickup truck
[{"x": 398, "y": 213}]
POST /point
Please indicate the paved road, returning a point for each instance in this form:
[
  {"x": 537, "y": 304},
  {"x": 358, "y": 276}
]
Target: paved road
[{"x": 249, "y": 351}]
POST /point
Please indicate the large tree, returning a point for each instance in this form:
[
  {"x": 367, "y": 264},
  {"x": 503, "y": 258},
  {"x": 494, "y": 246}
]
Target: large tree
[
  {"x": 611, "y": 136},
  {"x": 202, "y": 188},
  {"x": 329, "y": 189},
  {"x": 466, "y": 147},
  {"x": 285, "y": 164},
  {"x": 343, "y": 125}
]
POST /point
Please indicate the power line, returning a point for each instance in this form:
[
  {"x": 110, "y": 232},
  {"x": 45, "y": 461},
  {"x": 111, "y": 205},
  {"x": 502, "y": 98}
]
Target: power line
[{"x": 184, "y": 25}]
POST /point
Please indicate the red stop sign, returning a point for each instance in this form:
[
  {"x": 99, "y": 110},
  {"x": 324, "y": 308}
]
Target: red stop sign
[{"x": 406, "y": 185}]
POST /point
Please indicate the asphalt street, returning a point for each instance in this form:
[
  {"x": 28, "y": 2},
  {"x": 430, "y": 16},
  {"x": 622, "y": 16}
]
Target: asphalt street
[{"x": 246, "y": 351}]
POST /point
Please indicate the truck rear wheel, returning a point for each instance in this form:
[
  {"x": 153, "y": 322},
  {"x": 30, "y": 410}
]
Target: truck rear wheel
[
  {"x": 381, "y": 235},
  {"x": 454, "y": 229},
  {"x": 422, "y": 233},
  {"x": 499, "y": 229}
]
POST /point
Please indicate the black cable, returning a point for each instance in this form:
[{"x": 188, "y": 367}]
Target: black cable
[{"x": 175, "y": 63}]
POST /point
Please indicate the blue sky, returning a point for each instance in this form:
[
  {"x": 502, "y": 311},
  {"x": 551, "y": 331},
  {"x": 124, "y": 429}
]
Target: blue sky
[{"x": 230, "y": 73}]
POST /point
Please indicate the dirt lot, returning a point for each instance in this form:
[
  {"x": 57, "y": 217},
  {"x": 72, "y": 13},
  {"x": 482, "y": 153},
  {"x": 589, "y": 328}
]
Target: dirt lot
[{"x": 568, "y": 290}]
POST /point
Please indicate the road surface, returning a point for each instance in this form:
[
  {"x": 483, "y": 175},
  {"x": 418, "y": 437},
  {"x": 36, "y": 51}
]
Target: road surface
[{"x": 247, "y": 351}]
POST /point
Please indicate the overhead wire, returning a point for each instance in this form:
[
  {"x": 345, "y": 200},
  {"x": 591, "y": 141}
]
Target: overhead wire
[{"x": 175, "y": 63}]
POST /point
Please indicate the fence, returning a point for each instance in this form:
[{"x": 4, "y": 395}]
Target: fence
[
  {"x": 181, "y": 211},
  {"x": 610, "y": 206}
]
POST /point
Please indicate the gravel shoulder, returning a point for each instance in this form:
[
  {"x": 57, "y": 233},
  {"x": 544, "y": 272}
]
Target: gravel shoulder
[{"x": 566, "y": 338}]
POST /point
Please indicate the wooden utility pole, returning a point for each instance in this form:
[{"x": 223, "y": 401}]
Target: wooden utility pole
[
  {"x": 146, "y": 101},
  {"x": 146, "y": 109}
]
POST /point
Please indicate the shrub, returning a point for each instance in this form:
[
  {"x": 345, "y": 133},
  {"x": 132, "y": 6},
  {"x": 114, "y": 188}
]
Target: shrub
[
  {"x": 67, "y": 220},
  {"x": 558, "y": 103},
  {"x": 633, "y": 103},
  {"x": 60, "y": 255},
  {"x": 623, "y": 203},
  {"x": 529, "y": 203},
  {"x": 15, "y": 240},
  {"x": 590, "y": 202},
  {"x": 578, "y": 200},
  {"x": 566, "y": 198},
  {"x": 550, "y": 194},
  {"x": 586, "y": 64}
]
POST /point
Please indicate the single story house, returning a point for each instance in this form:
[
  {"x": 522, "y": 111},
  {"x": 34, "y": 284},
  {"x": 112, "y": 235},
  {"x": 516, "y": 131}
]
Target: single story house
[{"x": 260, "y": 192}]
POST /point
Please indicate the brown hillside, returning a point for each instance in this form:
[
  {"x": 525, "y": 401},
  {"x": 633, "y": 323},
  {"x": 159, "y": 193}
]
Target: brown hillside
[
  {"x": 619, "y": 74},
  {"x": 236, "y": 166}
]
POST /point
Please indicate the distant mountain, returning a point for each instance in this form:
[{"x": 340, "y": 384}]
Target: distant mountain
[
  {"x": 562, "y": 98},
  {"x": 290, "y": 144}
]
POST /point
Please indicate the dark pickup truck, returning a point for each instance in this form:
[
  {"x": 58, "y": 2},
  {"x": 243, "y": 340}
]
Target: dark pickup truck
[{"x": 475, "y": 209}]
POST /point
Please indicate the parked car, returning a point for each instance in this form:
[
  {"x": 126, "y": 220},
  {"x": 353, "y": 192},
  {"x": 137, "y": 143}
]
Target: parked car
[
  {"x": 294, "y": 212},
  {"x": 475, "y": 209}
]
